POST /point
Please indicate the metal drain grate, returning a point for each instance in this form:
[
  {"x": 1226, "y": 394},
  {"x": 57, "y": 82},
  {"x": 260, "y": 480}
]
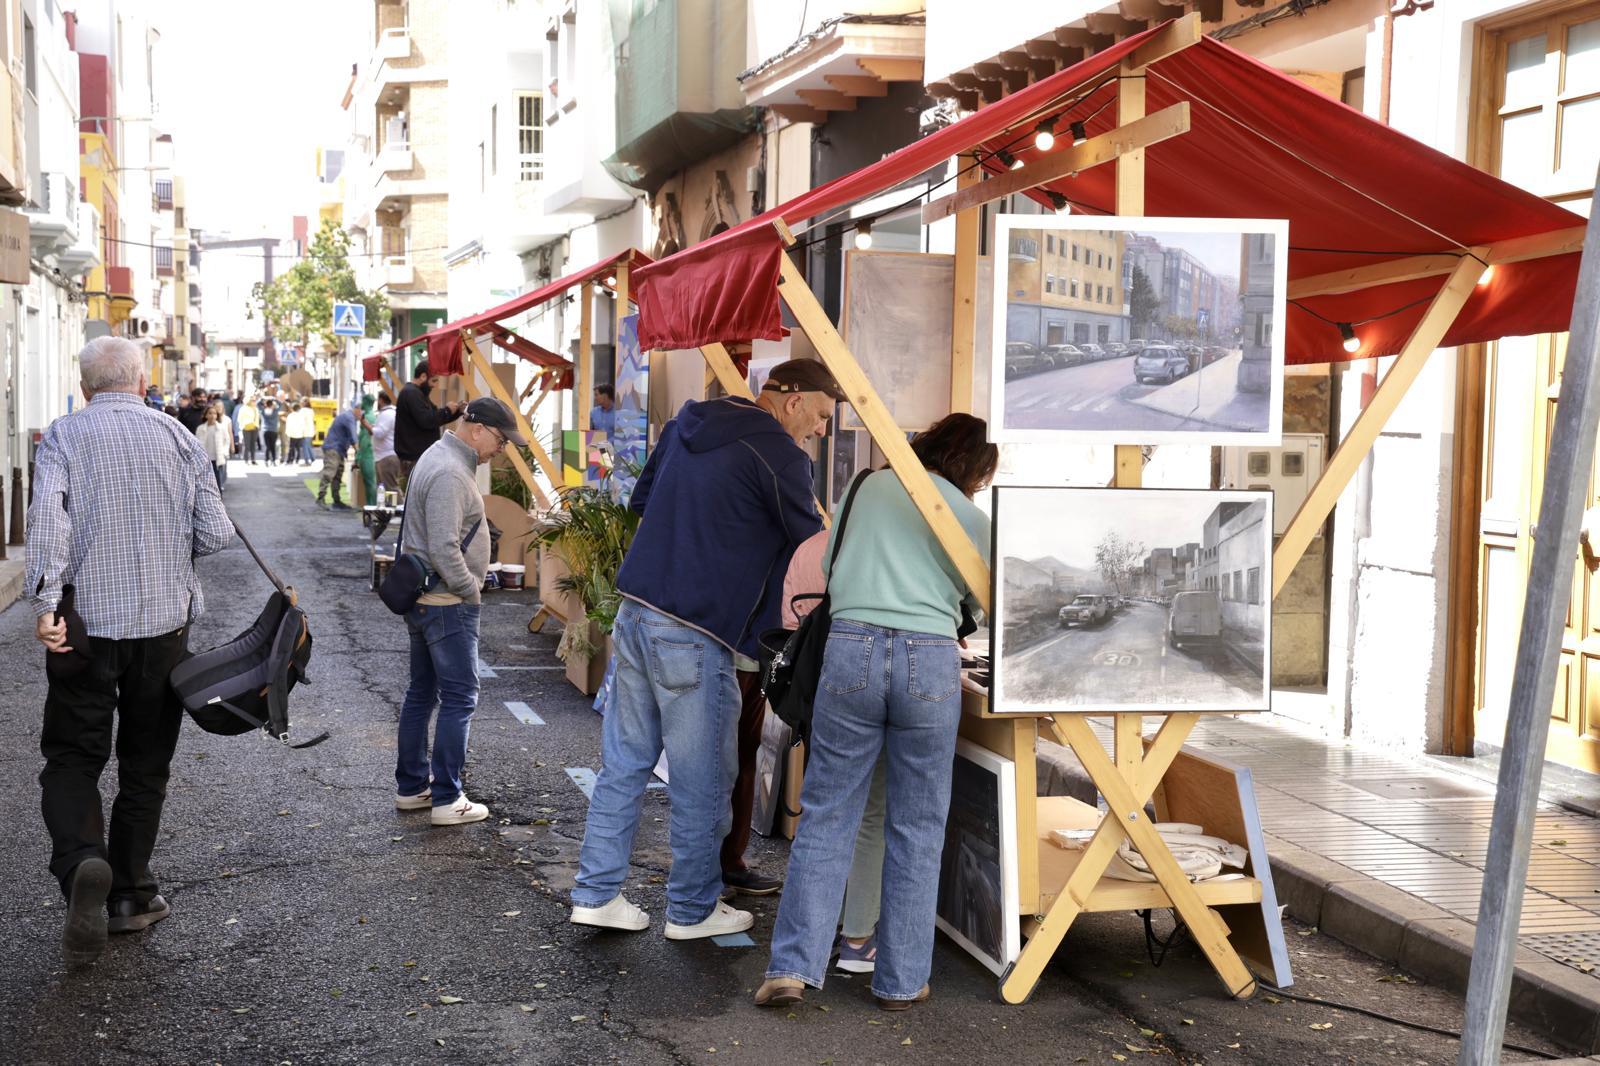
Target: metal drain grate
[{"x": 1581, "y": 951}]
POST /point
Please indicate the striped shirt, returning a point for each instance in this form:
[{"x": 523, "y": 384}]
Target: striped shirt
[{"x": 124, "y": 500}]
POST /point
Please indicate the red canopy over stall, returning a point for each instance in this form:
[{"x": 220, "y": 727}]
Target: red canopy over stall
[
  {"x": 444, "y": 342},
  {"x": 1260, "y": 145}
]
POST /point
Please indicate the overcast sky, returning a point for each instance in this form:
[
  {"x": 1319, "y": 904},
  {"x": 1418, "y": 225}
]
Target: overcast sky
[
  {"x": 249, "y": 92},
  {"x": 1069, "y": 523}
]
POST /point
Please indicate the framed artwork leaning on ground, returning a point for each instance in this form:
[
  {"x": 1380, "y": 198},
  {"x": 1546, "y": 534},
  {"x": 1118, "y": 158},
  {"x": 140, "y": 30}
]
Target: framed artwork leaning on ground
[
  {"x": 1131, "y": 600},
  {"x": 1138, "y": 330},
  {"x": 978, "y": 899}
]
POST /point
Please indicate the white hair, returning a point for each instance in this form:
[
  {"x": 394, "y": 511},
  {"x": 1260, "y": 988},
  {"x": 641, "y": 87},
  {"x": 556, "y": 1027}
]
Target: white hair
[{"x": 110, "y": 363}]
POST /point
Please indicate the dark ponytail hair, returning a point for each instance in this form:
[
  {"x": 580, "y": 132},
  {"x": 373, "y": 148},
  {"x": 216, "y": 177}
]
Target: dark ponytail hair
[{"x": 957, "y": 448}]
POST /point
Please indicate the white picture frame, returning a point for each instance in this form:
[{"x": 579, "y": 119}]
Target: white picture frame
[
  {"x": 1192, "y": 569},
  {"x": 978, "y": 878},
  {"x": 1219, "y": 378}
]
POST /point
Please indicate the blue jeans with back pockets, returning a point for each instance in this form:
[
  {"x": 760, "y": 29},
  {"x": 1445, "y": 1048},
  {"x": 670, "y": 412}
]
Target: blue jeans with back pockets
[
  {"x": 444, "y": 675},
  {"x": 899, "y": 693},
  {"x": 675, "y": 691}
]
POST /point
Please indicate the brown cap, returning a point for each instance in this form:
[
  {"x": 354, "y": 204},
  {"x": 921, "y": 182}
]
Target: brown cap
[{"x": 803, "y": 375}]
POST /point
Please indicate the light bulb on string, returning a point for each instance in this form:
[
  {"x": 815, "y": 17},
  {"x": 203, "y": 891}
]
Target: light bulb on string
[
  {"x": 1044, "y": 138},
  {"x": 863, "y": 236},
  {"x": 611, "y": 281},
  {"x": 1488, "y": 273},
  {"x": 1007, "y": 160},
  {"x": 1062, "y": 205},
  {"x": 1079, "y": 134},
  {"x": 1352, "y": 343}
]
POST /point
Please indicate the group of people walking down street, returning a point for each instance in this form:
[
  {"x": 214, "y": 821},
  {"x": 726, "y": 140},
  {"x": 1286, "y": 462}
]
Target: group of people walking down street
[{"x": 729, "y": 537}]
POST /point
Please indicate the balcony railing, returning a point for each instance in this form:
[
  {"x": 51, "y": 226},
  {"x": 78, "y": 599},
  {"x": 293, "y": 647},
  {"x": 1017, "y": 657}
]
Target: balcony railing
[
  {"x": 397, "y": 270},
  {"x": 394, "y": 43},
  {"x": 1025, "y": 249},
  {"x": 395, "y": 156},
  {"x": 161, "y": 198},
  {"x": 163, "y": 262}
]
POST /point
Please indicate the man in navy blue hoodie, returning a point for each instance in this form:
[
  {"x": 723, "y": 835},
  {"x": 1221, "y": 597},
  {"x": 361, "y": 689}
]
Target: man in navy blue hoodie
[{"x": 725, "y": 498}]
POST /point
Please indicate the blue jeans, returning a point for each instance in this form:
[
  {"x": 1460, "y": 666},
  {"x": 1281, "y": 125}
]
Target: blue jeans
[
  {"x": 444, "y": 675},
  {"x": 900, "y": 693},
  {"x": 675, "y": 690}
]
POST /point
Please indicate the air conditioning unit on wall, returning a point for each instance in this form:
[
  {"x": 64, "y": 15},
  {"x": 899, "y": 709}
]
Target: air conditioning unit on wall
[{"x": 1288, "y": 472}]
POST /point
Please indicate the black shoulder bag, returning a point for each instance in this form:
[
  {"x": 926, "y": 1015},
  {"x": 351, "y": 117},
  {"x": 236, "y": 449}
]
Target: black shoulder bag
[
  {"x": 791, "y": 659},
  {"x": 410, "y": 577}
]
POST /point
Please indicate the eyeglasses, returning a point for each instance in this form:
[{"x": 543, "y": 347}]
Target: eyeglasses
[{"x": 499, "y": 437}]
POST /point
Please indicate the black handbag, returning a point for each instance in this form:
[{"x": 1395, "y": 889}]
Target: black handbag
[
  {"x": 791, "y": 659},
  {"x": 410, "y": 577}
]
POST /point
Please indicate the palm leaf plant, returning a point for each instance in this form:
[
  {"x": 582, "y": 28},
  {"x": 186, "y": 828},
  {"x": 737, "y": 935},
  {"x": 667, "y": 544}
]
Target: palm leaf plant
[{"x": 590, "y": 533}]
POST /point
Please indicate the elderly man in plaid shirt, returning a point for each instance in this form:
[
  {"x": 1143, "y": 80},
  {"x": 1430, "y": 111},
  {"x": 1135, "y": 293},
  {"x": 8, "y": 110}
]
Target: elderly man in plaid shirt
[{"x": 124, "y": 500}]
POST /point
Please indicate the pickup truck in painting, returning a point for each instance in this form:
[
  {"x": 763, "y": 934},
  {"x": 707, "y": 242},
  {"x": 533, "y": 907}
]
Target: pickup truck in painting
[{"x": 1085, "y": 610}]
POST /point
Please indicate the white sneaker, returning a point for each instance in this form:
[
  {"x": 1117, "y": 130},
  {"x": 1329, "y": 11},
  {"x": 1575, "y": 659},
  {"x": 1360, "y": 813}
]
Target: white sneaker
[
  {"x": 460, "y": 812},
  {"x": 421, "y": 801},
  {"x": 722, "y": 920},
  {"x": 618, "y": 914}
]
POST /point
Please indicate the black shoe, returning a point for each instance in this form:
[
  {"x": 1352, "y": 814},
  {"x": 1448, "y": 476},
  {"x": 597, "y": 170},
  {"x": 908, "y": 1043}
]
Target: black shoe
[
  {"x": 84, "y": 937},
  {"x": 751, "y": 883},
  {"x": 130, "y": 916},
  {"x": 340, "y": 505}
]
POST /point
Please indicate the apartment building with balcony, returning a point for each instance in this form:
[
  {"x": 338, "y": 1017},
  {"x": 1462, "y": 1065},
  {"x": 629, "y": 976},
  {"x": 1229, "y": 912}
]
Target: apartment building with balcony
[
  {"x": 1065, "y": 287},
  {"x": 397, "y": 165}
]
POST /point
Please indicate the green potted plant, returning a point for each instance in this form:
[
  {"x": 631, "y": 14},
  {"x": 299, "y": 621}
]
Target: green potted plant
[{"x": 589, "y": 533}]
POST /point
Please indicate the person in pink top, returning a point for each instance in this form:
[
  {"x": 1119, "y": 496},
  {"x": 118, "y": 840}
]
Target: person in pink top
[{"x": 857, "y": 948}]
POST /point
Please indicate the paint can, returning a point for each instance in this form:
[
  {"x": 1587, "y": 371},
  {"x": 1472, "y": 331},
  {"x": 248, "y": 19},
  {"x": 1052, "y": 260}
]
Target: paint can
[{"x": 511, "y": 576}]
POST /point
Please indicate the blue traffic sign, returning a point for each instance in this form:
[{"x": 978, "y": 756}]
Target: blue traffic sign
[{"x": 350, "y": 320}]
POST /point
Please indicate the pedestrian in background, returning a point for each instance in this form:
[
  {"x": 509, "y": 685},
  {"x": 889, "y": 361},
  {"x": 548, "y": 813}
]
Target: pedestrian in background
[
  {"x": 217, "y": 442},
  {"x": 340, "y": 438},
  {"x": 270, "y": 417},
  {"x": 444, "y": 525},
  {"x": 386, "y": 465},
  {"x": 194, "y": 413},
  {"x": 730, "y": 478},
  {"x": 417, "y": 421},
  {"x": 603, "y": 415},
  {"x": 111, "y": 478},
  {"x": 249, "y": 428},
  {"x": 891, "y": 683},
  {"x": 301, "y": 428}
]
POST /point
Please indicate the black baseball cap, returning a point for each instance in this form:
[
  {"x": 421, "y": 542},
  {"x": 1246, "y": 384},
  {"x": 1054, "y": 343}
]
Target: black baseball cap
[
  {"x": 488, "y": 411},
  {"x": 803, "y": 375}
]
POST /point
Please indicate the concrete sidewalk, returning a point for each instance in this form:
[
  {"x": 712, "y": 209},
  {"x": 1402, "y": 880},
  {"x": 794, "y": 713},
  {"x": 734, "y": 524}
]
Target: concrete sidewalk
[
  {"x": 1211, "y": 395},
  {"x": 1386, "y": 854}
]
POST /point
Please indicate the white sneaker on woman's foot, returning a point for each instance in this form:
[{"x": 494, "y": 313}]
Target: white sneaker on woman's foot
[
  {"x": 617, "y": 914},
  {"x": 460, "y": 812},
  {"x": 722, "y": 920}
]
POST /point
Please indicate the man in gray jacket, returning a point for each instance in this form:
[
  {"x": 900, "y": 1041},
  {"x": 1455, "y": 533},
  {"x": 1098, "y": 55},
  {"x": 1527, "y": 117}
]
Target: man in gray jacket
[{"x": 444, "y": 526}]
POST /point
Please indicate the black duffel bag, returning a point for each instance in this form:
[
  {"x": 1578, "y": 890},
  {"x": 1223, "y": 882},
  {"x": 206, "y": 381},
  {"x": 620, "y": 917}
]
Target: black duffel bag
[{"x": 791, "y": 659}]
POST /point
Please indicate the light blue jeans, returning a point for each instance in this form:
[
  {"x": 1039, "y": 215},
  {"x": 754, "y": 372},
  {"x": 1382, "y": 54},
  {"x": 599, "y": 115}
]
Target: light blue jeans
[
  {"x": 444, "y": 675},
  {"x": 899, "y": 693},
  {"x": 675, "y": 690}
]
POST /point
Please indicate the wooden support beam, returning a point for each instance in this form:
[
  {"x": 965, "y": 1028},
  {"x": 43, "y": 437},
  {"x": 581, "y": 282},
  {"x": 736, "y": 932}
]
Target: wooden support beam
[
  {"x": 802, "y": 303},
  {"x": 1514, "y": 250},
  {"x": 514, "y": 456},
  {"x": 857, "y": 84},
  {"x": 891, "y": 68},
  {"x": 827, "y": 99},
  {"x": 486, "y": 370},
  {"x": 1150, "y": 10},
  {"x": 1342, "y": 464},
  {"x": 1133, "y": 136},
  {"x": 721, "y": 364},
  {"x": 1130, "y": 164},
  {"x": 623, "y": 309},
  {"x": 798, "y": 113},
  {"x": 386, "y": 375},
  {"x": 963, "y": 327},
  {"x": 1174, "y": 37},
  {"x": 545, "y": 390},
  {"x": 584, "y": 383}
]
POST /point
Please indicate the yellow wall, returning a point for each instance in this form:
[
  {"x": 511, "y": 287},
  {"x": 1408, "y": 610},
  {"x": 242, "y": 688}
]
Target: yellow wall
[
  {"x": 100, "y": 184},
  {"x": 1097, "y": 270}
]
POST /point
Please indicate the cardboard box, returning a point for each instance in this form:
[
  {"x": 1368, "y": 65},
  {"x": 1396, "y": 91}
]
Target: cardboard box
[{"x": 587, "y": 674}]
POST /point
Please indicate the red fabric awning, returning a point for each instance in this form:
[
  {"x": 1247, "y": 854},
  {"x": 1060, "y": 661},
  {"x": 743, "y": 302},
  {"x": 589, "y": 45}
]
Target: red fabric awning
[
  {"x": 444, "y": 342},
  {"x": 1260, "y": 145}
]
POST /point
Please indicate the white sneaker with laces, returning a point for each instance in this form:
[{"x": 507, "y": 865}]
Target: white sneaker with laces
[
  {"x": 617, "y": 914},
  {"x": 460, "y": 812},
  {"x": 420, "y": 802},
  {"x": 724, "y": 919}
]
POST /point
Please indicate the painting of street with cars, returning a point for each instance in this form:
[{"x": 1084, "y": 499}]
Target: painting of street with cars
[
  {"x": 1139, "y": 330},
  {"x": 1131, "y": 600}
]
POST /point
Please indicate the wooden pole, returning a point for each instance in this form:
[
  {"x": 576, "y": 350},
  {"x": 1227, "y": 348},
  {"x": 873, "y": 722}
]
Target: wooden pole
[
  {"x": 964, "y": 289},
  {"x": 1544, "y": 611},
  {"x": 546, "y": 387},
  {"x": 512, "y": 454},
  {"x": 585, "y": 382},
  {"x": 880, "y": 423},
  {"x": 720, "y": 363},
  {"x": 501, "y": 393},
  {"x": 1342, "y": 465}
]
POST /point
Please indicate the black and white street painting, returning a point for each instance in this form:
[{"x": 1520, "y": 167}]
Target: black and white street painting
[{"x": 1131, "y": 600}]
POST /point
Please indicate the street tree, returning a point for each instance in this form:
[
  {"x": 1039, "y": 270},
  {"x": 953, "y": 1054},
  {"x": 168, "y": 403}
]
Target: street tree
[
  {"x": 1118, "y": 560},
  {"x": 1143, "y": 303},
  {"x": 298, "y": 304}
]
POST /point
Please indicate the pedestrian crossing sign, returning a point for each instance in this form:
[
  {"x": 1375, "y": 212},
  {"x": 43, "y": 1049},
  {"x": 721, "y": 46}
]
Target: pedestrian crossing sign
[{"x": 350, "y": 320}]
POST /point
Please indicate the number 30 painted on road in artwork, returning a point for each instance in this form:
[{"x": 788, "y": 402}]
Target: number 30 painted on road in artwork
[{"x": 1118, "y": 658}]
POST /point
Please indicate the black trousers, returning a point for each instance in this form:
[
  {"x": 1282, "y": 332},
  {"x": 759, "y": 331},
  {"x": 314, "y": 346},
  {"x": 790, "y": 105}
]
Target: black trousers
[
  {"x": 752, "y": 704},
  {"x": 127, "y": 679}
]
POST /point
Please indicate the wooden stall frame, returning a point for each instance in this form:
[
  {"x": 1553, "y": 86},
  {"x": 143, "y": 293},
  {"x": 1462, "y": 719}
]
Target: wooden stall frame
[{"x": 485, "y": 369}]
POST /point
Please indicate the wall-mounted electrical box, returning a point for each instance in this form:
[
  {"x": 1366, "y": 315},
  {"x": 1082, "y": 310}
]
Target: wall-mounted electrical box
[{"x": 1288, "y": 472}]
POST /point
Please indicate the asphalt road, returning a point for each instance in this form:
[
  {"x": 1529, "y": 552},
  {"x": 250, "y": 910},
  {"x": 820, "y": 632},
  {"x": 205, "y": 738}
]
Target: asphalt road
[
  {"x": 1126, "y": 660},
  {"x": 1090, "y": 396},
  {"x": 312, "y": 923}
]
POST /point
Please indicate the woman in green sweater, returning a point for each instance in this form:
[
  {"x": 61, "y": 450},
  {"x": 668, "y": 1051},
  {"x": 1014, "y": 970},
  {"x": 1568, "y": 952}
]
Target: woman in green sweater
[{"x": 891, "y": 683}]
